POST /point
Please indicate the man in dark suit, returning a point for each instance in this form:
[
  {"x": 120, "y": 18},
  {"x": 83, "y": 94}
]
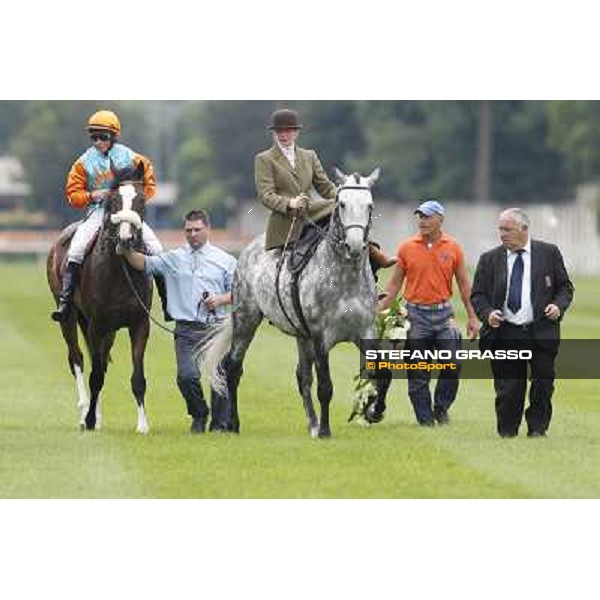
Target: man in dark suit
[{"x": 520, "y": 293}]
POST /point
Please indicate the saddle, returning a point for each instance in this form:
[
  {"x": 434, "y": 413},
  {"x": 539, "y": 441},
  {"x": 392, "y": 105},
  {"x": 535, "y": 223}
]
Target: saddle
[
  {"x": 303, "y": 250},
  {"x": 68, "y": 232}
]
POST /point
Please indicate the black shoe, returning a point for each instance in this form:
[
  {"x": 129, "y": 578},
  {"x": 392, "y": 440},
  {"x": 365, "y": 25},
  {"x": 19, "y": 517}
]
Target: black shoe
[
  {"x": 375, "y": 412},
  {"x": 220, "y": 428},
  {"x": 198, "y": 426},
  {"x": 536, "y": 433},
  {"x": 427, "y": 423},
  {"x": 507, "y": 434},
  {"x": 441, "y": 416},
  {"x": 65, "y": 299}
]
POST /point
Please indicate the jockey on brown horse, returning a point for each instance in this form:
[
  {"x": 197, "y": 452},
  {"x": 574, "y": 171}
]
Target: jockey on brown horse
[{"x": 90, "y": 180}]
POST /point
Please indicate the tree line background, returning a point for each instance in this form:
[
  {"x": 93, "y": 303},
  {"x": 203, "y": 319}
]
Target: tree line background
[{"x": 515, "y": 152}]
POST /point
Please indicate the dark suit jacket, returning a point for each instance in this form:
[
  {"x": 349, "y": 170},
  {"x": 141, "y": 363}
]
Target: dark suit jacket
[
  {"x": 276, "y": 182},
  {"x": 550, "y": 284}
]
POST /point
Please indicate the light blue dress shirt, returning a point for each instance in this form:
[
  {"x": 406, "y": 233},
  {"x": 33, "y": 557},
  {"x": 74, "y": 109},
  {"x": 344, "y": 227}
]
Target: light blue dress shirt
[{"x": 188, "y": 274}]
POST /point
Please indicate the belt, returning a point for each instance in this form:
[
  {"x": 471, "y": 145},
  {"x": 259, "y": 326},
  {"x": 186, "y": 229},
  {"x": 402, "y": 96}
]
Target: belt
[
  {"x": 199, "y": 324},
  {"x": 522, "y": 327},
  {"x": 438, "y": 306}
]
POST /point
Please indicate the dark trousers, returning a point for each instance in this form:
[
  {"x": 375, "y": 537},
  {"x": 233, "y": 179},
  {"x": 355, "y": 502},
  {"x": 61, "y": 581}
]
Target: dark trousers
[
  {"x": 187, "y": 336},
  {"x": 510, "y": 383}
]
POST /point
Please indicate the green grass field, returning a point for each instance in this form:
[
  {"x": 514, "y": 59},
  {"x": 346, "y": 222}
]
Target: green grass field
[{"x": 45, "y": 456}]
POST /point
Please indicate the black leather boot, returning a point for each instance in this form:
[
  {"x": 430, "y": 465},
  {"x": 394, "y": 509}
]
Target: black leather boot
[
  {"x": 161, "y": 288},
  {"x": 65, "y": 299}
]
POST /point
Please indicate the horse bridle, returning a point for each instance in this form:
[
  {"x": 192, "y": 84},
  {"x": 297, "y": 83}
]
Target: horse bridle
[
  {"x": 345, "y": 228},
  {"x": 339, "y": 241}
]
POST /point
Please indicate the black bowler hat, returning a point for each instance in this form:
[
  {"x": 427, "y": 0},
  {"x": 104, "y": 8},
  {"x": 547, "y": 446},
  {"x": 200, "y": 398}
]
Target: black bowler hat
[{"x": 285, "y": 119}]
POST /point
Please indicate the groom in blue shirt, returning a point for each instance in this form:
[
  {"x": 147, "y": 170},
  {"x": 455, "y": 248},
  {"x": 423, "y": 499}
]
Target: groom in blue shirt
[{"x": 199, "y": 280}]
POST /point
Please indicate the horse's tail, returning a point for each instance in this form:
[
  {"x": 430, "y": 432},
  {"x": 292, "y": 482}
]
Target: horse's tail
[{"x": 211, "y": 351}]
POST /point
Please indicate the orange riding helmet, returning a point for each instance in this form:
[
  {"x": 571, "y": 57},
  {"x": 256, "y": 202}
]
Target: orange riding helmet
[{"x": 105, "y": 120}]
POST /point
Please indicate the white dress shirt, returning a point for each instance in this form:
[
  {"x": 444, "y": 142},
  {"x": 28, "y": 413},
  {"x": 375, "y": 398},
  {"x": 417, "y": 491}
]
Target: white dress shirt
[
  {"x": 290, "y": 153},
  {"x": 525, "y": 313}
]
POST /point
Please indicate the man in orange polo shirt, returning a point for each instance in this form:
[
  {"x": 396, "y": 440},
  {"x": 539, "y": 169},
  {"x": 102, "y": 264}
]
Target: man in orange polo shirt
[{"x": 427, "y": 262}]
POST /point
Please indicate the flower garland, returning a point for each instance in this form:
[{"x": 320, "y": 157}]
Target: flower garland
[{"x": 391, "y": 324}]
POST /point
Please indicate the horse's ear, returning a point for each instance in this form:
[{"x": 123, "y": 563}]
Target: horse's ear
[
  {"x": 340, "y": 176},
  {"x": 373, "y": 177},
  {"x": 138, "y": 174}
]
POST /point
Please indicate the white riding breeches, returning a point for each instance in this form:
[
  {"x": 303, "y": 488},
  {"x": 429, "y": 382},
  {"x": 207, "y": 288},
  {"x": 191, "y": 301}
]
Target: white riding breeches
[{"x": 86, "y": 231}]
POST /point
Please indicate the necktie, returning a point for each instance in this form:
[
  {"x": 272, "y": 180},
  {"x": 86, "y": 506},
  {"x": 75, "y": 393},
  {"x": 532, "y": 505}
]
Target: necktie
[{"x": 516, "y": 283}]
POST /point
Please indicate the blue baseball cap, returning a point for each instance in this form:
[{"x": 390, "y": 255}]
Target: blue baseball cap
[{"x": 430, "y": 207}]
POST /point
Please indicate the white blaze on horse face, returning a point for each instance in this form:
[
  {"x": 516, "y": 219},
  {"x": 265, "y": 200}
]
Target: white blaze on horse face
[{"x": 127, "y": 193}]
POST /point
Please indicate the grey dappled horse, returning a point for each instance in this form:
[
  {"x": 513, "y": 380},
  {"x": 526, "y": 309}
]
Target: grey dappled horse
[{"x": 337, "y": 295}]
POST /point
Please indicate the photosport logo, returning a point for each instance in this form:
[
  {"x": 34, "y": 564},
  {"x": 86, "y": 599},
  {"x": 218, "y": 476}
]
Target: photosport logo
[{"x": 574, "y": 359}]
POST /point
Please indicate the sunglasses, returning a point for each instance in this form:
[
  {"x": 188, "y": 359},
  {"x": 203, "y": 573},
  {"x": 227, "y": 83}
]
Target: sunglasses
[{"x": 103, "y": 137}]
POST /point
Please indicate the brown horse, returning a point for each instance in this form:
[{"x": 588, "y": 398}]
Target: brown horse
[{"x": 106, "y": 301}]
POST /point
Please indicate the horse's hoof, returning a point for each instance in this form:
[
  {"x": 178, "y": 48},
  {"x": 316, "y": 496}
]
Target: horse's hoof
[{"x": 143, "y": 429}]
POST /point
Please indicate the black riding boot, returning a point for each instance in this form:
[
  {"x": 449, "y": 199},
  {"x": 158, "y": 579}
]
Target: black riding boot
[
  {"x": 65, "y": 299},
  {"x": 161, "y": 288}
]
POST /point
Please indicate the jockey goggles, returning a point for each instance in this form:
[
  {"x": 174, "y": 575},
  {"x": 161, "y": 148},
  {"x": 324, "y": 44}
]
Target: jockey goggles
[{"x": 103, "y": 137}]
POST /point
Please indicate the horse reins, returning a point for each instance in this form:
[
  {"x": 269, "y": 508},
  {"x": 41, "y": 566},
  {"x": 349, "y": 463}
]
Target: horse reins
[
  {"x": 139, "y": 299},
  {"x": 277, "y": 276}
]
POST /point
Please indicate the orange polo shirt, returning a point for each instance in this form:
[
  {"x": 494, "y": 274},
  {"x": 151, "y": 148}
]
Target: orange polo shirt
[{"x": 429, "y": 271}]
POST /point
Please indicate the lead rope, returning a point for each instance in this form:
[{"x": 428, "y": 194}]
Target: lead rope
[{"x": 139, "y": 299}]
